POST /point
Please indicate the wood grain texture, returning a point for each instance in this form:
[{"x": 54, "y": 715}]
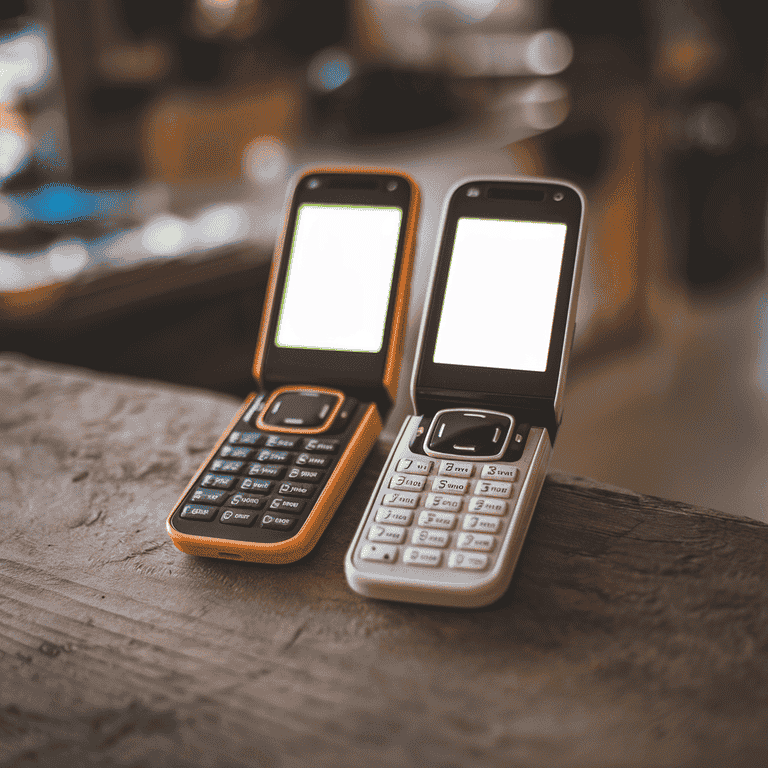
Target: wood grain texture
[{"x": 635, "y": 632}]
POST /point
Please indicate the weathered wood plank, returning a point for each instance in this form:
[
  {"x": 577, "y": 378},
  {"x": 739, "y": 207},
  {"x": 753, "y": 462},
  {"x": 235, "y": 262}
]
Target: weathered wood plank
[{"x": 635, "y": 632}]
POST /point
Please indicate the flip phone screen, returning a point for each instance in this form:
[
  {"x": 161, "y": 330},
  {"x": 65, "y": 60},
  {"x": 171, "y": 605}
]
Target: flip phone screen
[
  {"x": 334, "y": 299},
  {"x": 492, "y": 260}
]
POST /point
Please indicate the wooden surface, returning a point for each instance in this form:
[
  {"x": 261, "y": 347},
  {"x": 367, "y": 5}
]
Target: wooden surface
[{"x": 635, "y": 632}]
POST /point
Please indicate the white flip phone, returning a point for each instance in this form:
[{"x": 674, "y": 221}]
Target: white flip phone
[{"x": 450, "y": 511}]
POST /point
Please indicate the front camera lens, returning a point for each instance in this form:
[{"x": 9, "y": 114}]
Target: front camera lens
[
  {"x": 313, "y": 183},
  {"x": 558, "y": 196},
  {"x": 473, "y": 192},
  {"x": 391, "y": 186}
]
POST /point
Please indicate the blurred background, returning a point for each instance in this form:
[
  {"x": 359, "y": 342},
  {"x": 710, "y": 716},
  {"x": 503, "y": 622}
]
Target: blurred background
[{"x": 146, "y": 148}]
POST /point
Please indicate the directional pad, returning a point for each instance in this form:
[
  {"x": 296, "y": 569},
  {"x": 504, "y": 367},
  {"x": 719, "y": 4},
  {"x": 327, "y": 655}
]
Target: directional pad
[
  {"x": 473, "y": 434},
  {"x": 300, "y": 409}
]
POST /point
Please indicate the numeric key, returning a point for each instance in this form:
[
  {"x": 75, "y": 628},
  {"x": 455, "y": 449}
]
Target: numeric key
[{"x": 408, "y": 482}]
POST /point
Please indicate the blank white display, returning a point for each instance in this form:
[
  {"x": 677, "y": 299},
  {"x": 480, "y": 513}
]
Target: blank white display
[
  {"x": 339, "y": 278},
  {"x": 500, "y": 296}
]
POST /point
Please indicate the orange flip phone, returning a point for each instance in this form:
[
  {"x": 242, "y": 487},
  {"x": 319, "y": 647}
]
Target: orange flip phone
[{"x": 326, "y": 366}]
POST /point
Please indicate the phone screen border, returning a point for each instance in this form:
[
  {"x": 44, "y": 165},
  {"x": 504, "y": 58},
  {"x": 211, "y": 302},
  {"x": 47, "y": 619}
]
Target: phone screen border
[
  {"x": 498, "y": 382},
  {"x": 281, "y": 365}
]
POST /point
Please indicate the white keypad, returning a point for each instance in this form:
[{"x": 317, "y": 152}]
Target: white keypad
[
  {"x": 385, "y": 553},
  {"x": 444, "y": 520},
  {"x": 490, "y": 488},
  {"x": 441, "y": 501},
  {"x": 467, "y": 561},
  {"x": 408, "y": 482},
  {"x": 456, "y": 468},
  {"x": 424, "y": 537},
  {"x": 398, "y": 499},
  {"x": 442, "y": 515},
  {"x": 394, "y": 516},
  {"x": 392, "y": 534},
  {"x": 499, "y": 472},
  {"x": 415, "y": 466},
  {"x": 477, "y": 542},
  {"x": 419, "y": 556},
  {"x": 487, "y": 506},
  {"x": 450, "y": 485},
  {"x": 481, "y": 523}
]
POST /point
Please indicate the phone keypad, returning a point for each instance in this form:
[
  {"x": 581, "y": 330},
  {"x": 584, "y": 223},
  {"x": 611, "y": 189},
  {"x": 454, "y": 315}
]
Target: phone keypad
[
  {"x": 267, "y": 481},
  {"x": 441, "y": 513}
]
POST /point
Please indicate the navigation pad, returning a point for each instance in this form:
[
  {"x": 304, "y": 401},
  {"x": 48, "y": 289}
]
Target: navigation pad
[
  {"x": 300, "y": 409},
  {"x": 475, "y": 434}
]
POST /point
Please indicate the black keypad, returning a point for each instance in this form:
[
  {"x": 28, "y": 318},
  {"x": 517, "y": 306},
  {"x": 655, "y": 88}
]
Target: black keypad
[
  {"x": 198, "y": 512},
  {"x": 208, "y": 496},
  {"x": 278, "y": 522},
  {"x": 261, "y": 480},
  {"x": 243, "y": 517}
]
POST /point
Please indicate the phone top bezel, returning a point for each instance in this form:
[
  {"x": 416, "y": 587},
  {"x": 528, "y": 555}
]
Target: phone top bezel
[
  {"x": 275, "y": 365},
  {"x": 439, "y": 385}
]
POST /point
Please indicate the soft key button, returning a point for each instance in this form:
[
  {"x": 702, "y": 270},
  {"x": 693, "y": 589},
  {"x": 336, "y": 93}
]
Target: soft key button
[
  {"x": 394, "y": 516},
  {"x": 443, "y": 520},
  {"x": 425, "y": 557},
  {"x": 408, "y": 482},
  {"x": 389, "y": 533},
  {"x": 467, "y": 562},
  {"x": 423, "y": 537},
  {"x": 488, "y": 488},
  {"x": 456, "y": 468},
  {"x": 414, "y": 466},
  {"x": 479, "y": 542},
  {"x": 450, "y": 485},
  {"x": 379, "y": 552},
  {"x": 487, "y": 506},
  {"x": 481, "y": 523},
  {"x": 499, "y": 472}
]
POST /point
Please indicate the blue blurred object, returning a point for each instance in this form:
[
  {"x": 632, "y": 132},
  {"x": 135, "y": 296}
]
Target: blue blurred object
[
  {"x": 64, "y": 203},
  {"x": 334, "y": 73}
]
